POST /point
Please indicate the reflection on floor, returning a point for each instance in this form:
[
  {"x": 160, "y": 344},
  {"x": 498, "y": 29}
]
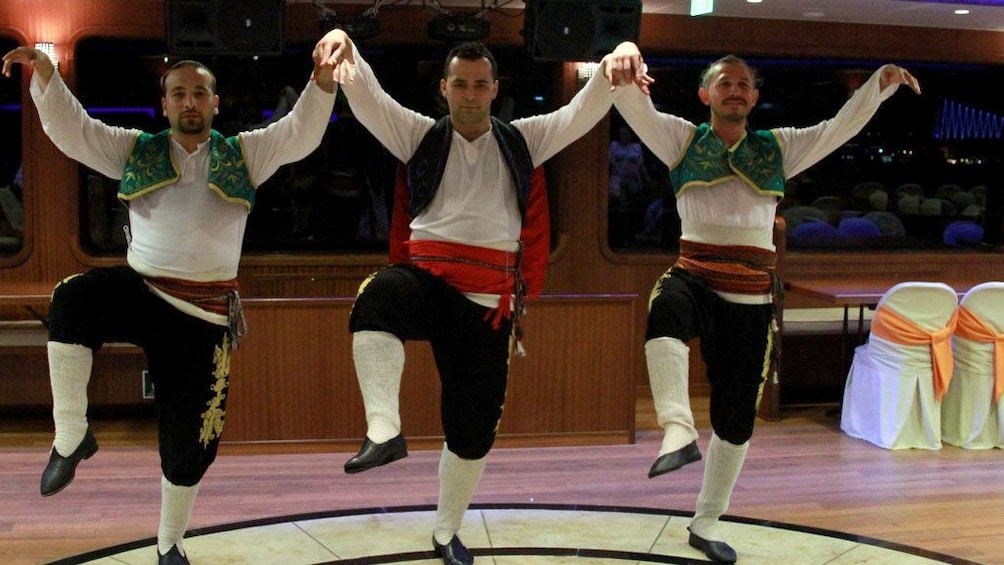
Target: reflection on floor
[{"x": 511, "y": 535}]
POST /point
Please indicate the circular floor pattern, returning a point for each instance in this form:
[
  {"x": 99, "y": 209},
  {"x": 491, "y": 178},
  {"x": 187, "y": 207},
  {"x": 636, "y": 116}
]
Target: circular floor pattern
[{"x": 523, "y": 534}]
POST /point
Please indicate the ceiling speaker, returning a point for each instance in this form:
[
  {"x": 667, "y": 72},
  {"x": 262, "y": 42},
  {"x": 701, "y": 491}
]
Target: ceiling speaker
[
  {"x": 249, "y": 27},
  {"x": 576, "y": 30}
]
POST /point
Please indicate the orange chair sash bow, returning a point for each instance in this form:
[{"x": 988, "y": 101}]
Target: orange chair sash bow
[
  {"x": 892, "y": 326},
  {"x": 973, "y": 328}
]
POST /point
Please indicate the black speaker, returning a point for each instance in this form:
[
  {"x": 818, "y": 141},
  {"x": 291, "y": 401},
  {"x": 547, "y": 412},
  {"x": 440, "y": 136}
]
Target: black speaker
[
  {"x": 247, "y": 27},
  {"x": 576, "y": 30}
]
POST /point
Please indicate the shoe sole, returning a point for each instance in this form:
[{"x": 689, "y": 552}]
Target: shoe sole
[
  {"x": 704, "y": 546},
  {"x": 694, "y": 458},
  {"x": 360, "y": 468},
  {"x": 83, "y": 456}
]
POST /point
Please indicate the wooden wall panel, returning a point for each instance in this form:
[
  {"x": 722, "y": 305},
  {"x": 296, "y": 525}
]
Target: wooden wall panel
[
  {"x": 577, "y": 375},
  {"x": 116, "y": 379},
  {"x": 292, "y": 380}
]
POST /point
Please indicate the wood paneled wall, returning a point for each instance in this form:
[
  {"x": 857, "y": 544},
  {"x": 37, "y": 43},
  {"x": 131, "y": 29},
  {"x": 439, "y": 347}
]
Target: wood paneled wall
[
  {"x": 583, "y": 264},
  {"x": 293, "y": 381}
]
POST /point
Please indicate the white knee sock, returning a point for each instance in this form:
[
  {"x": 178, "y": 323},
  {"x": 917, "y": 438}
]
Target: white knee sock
[
  {"x": 379, "y": 360},
  {"x": 458, "y": 478},
  {"x": 69, "y": 373},
  {"x": 721, "y": 470},
  {"x": 175, "y": 509},
  {"x": 668, "y": 362}
]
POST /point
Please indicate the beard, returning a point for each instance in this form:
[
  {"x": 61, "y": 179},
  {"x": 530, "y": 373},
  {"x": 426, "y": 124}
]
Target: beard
[
  {"x": 731, "y": 114},
  {"x": 191, "y": 125}
]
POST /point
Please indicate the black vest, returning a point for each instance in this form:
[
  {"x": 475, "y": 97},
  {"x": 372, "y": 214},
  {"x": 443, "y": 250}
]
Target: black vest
[{"x": 426, "y": 167}]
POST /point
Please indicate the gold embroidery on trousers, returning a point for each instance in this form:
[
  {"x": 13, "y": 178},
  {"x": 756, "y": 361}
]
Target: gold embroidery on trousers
[{"x": 212, "y": 418}]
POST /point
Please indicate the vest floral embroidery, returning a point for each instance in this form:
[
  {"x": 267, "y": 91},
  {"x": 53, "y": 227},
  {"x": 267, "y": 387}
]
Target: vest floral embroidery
[
  {"x": 150, "y": 167},
  {"x": 756, "y": 159}
]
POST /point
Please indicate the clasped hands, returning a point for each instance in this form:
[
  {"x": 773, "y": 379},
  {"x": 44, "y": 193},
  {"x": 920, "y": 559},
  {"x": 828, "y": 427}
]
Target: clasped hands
[
  {"x": 334, "y": 49},
  {"x": 622, "y": 67},
  {"x": 625, "y": 65}
]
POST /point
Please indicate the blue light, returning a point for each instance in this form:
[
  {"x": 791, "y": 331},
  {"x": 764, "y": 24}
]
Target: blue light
[
  {"x": 957, "y": 121},
  {"x": 148, "y": 111}
]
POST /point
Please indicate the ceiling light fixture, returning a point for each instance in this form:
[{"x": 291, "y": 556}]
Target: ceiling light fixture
[
  {"x": 49, "y": 48},
  {"x": 701, "y": 7}
]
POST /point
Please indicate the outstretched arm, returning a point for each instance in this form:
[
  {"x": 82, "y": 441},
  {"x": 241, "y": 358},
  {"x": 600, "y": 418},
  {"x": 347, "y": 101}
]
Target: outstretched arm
[
  {"x": 300, "y": 131},
  {"x": 398, "y": 128},
  {"x": 33, "y": 58},
  {"x": 803, "y": 147}
]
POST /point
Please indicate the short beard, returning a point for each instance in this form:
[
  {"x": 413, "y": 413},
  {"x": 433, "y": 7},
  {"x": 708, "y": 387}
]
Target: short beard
[
  {"x": 732, "y": 117},
  {"x": 190, "y": 127}
]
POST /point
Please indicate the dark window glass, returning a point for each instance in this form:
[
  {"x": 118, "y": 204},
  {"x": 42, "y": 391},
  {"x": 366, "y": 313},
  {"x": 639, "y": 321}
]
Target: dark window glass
[
  {"x": 918, "y": 176},
  {"x": 338, "y": 199},
  {"x": 11, "y": 172}
]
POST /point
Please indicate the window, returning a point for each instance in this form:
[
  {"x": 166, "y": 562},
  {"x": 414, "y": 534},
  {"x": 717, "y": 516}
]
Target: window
[
  {"x": 11, "y": 178},
  {"x": 338, "y": 199},
  {"x": 916, "y": 177}
]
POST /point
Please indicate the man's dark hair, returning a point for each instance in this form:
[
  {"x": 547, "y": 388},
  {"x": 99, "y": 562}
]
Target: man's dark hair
[
  {"x": 188, "y": 63},
  {"x": 728, "y": 60},
  {"x": 470, "y": 51}
]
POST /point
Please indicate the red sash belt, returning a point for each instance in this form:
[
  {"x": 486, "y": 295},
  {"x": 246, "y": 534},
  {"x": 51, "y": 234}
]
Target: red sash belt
[
  {"x": 216, "y": 297},
  {"x": 730, "y": 268},
  {"x": 470, "y": 268}
]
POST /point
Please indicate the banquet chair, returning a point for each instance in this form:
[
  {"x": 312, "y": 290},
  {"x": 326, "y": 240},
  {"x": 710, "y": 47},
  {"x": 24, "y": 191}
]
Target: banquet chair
[
  {"x": 897, "y": 378},
  {"x": 858, "y": 228},
  {"x": 889, "y": 224},
  {"x": 972, "y": 412}
]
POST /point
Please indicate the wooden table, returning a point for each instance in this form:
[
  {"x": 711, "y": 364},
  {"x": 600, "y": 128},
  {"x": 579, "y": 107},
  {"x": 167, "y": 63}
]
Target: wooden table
[
  {"x": 30, "y": 295},
  {"x": 862, "y": 293},
  {"x": 25, "y": 293}
]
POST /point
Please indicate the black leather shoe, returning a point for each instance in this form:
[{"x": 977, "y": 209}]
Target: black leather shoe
[
  {"x": 717, "y": 551},
  {"x": 675, "y": 459},
  {"x": 375, "y": 454},
  {"x": 173, "y": 557},
  {"x": 453, "y": 553},
  {"x": 60, "y": 470}
]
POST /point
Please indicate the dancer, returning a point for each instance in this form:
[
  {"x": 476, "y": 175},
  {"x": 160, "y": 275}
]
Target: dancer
[
  {"x": 467, "y": 232},
  {"x": 727, "y": 180},
  {"x": 189, "y": 190}
]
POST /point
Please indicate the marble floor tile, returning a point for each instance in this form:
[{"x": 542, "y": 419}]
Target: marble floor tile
[
  {"x": 523, "y": 535},
  {"x": 395, "y": 532},
  {"x": 574, "y": 529}
]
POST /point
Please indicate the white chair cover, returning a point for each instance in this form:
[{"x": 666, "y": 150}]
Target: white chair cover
[
  {"x": 889, "y": 398},
  {"x": 970, "y": 416}
]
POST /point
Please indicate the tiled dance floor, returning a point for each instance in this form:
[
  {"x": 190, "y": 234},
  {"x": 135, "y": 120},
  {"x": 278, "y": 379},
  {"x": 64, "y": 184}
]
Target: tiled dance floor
[{"x": 511, "y": 535}]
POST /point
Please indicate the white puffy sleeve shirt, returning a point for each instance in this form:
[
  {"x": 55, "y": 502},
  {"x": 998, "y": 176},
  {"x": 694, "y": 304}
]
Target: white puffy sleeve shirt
[
  {"x": 729, "y": 212},
  {"x": 475, "y": 203},
  {"x": 183, "y": 230}
]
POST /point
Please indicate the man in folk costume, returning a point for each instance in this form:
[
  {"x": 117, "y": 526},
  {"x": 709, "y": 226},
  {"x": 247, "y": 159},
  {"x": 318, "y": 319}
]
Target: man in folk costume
[
  {"x": 189, "y": 190},
  {"x": 727, "y": 180},
  {"x": 470, "y": 227}
]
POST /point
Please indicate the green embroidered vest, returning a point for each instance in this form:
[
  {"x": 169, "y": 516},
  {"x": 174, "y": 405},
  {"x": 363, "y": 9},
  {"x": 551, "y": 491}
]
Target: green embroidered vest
[
  {"x": 756, "y": 160},
  {"x": 149, "y": 167}
]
